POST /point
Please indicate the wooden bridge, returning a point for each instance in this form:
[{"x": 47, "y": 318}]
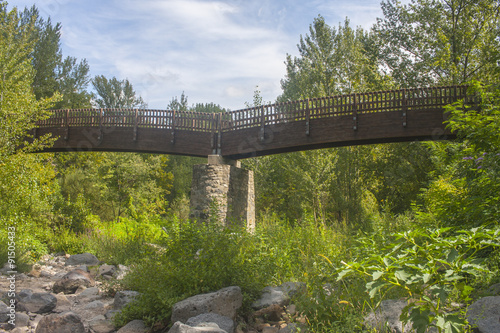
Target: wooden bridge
[{"x": 364, "y": 118}]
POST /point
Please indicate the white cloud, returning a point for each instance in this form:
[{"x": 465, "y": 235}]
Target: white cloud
[{"x": 213, "y": 50}]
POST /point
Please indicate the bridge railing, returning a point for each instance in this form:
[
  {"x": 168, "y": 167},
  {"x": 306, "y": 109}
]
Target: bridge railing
[
  {"x": 315, "y": 108},
  {"x": 333, "y": 106},
  {"x": 141, "y": 118}
]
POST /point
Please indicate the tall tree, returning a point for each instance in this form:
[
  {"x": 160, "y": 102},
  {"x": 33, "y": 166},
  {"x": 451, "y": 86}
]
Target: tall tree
[
  {"x": 332, "y": 61},
  {"x": 19, "y": 109},
  {"x": 53, "y": 74},
  {"x": 114, "y": 93},
  {"x": 430, "y": 42}
]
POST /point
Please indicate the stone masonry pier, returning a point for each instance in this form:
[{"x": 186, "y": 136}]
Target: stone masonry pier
[{"x": 222, "y": 191}]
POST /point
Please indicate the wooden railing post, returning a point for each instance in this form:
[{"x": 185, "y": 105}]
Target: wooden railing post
[
  {"x": 263, "y": 123},
  {"x": 355, "y": 112},
  {"x": 404, "y": 107},
  {"x": 66, "y": 134},
  {"x": 135, "y": 125},
  {"x": 101, "y": 114},
  {"x": 308, "y": 117},
  {"x": 173, "y": 127}
]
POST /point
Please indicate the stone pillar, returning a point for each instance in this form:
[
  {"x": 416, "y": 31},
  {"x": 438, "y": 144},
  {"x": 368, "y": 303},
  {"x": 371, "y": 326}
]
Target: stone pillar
[{"x": 224, "y": 192}]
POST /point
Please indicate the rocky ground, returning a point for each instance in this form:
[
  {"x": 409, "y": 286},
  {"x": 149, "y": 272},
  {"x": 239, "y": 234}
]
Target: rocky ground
[{"x": 66, "y": 294}]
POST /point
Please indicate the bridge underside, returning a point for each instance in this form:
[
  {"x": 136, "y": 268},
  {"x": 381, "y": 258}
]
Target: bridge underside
[{"x": 342, "y": 130}]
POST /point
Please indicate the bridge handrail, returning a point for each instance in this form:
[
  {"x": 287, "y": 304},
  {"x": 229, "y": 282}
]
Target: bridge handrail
[
  {"x": 340, "y": 105},
  {"x": 266, "y": 115}
]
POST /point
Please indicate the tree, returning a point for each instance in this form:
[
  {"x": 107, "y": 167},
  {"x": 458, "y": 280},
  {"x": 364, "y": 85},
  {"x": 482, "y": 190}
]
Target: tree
[
  {"x": 332, "y": 61},
  {"x": 19, "y": 109},
  {"x": 52, "y": 73},
  {"x": 114, "y": 93},
  {"x": 430, "y": 42}
]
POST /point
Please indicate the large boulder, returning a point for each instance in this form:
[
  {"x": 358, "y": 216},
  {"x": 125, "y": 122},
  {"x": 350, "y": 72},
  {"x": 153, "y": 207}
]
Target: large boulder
[
  {"x": 224, "y": 302},
  {"x": 202, "y": 328},
  {"x": 485, "y": 314},
  {"x": 70, "y": 282},
  {"x": 82, "y": 259},
  {"x": 36, "y": 302},
  {"x": 67, "y": 322}
]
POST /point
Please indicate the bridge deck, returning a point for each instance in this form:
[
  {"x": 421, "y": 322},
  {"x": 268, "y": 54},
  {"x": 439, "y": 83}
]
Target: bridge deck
[{"x": 375, "y": 117}]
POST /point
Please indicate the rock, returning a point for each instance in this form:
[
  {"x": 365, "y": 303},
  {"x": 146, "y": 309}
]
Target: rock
[
  {"x": 36, "y": 302},
  {"x": 107, "y": 270},
  {"x": 485, "y": 314},
  {"x": 204, "y": 327},
  {"x": 70, "y": 282},
  {"x": 91, "y": 310},
  {"x": 89, "y": 294},
  {"x": 387, "y": 315},
  {"x": 270, "y": 296},
  {"x": 494, "y": 290},
  {"x": 22, "y": 319},
  {"x": 67, "y": 322},
  {"x": 135, "y": 326},
  {"x": 122, "y": 298},
  {"x": 100, "y": 324},
  {"x": 270, "y": 329},
  {"x": 273, "y": 312},
  {"x": 293, "y": 328},
  {"x": 36, "y": 271},
  {"x": 82, "y": 259},
  {"x": 122, "y": 271},
  {"x": 4, "y": 312},
  {"x": 292, "y": 289},
  {"x": 224, "y": 302},
  {"x": 223, "y": 322}
]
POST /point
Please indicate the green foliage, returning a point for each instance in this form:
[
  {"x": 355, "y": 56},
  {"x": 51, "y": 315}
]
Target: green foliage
[
  {"x": 426, "y": 266},
  {"x": 438, "y": 42},
  {"x": 114, "y": 185},
  {"x": 466, "y": 192},
  {"x": 114, "y": 93}
]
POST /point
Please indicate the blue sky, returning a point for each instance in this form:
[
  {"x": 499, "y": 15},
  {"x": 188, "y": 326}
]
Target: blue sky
[{"x": 213, "y": 50}]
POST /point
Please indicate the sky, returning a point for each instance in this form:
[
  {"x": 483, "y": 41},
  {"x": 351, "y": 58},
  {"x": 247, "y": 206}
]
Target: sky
[{"x": 216, "y": 51}]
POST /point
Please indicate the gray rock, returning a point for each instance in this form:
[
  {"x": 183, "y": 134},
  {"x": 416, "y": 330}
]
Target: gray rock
[
  {"x": 4, "y": 312},
  {"x": 293, "y": 288},
  {"x": 485, "y": 314},
  {"x": 70, "y": 282},
  {"x": 36, "y": 302},
  {"x": 224, "y": 302},
  {"x": 100, "y": 324},
  {"x": 22, "y": 319},
  {"x": 494, "y": 290},
  {"x": 82, "y": 259},
  {"x": 63, "y": 304},
  {"x": 387, "y": 316},
  {"x": 108, "y": 270},
  {"x": 122, "y": 298},
  {"x": 270, "y": 296},
  {"x": 67, "y": 322},
  {"x": 223, "y": 322},
  {"x": 205, "y": 328},
  {"x": 135, "y": 326},
  {"x": 89, "y": 294},
  {"x": 91, "y": 310}
]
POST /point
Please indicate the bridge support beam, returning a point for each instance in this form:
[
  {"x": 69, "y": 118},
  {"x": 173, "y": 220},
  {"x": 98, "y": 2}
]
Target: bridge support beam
[{"x": 223, "y": 192}]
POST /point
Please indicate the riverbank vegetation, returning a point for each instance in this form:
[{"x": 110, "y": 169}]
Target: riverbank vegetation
[{"x": 418, "y": 220}]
